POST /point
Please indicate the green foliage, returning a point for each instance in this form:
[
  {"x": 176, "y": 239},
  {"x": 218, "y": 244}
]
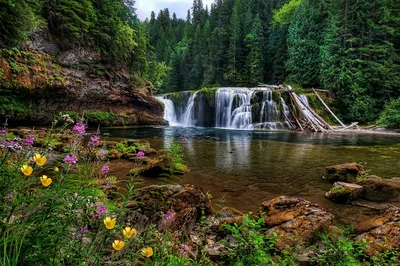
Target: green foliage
[
  {"x": 72, "y": 20},
  {"x": 16, "y": 19},
  {"x": 285, "y": 14},
  {"x": 390, "y": 117},
  {"x": 175, "y": 152},
  {"x": 253, "y": 247},
  {"x": 14, "y": 107},
  {"x": 98, "y": 117}
]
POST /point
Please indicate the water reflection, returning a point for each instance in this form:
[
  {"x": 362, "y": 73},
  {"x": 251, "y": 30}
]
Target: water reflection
[{"x": 248, "y": 167}]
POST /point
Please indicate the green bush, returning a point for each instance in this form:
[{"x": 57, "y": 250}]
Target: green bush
[
  {"x": 390, "y": 117},
  {"x": 253, "y": 247}
]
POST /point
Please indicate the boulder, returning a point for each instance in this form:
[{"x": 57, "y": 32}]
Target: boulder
[
  {"x": 215, "y": 250},
  {"x": 294, "y": 219},
  {"x": 344, "y": 172},
  {"x": 378, "y": 189},
  {"x": 172, "y": 207},
  {"x": 229, "y": 215},
  {"x": 381, "y": 231},
  {"x": 344, "y": 192}
]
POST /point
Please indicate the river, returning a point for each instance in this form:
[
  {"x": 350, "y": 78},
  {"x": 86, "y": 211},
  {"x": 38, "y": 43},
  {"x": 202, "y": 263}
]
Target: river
[{"x": 242, "y": 168}]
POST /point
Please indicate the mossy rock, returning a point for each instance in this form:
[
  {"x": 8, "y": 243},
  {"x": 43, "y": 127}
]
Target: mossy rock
[
  {"x": 348, "y": 172},
  {"x": 344, "y": 192},
  {"x": 180, "y": 168}
]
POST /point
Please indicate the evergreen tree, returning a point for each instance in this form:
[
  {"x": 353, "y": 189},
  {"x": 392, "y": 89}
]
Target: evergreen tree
[
  {"x": 306, "y": 34},
  {"x": 255, "y": 60}
]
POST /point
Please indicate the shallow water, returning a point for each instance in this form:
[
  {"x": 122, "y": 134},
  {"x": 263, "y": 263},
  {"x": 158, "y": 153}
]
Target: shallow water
[{"x": 244, "y": 168}]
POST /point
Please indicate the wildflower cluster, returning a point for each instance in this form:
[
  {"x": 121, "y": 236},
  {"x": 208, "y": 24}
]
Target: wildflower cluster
[{"x": 56, "y": 212}]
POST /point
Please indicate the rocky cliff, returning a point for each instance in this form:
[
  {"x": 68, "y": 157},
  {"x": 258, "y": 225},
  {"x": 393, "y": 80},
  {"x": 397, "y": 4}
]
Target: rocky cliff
[{"x": 40, "y": 80}]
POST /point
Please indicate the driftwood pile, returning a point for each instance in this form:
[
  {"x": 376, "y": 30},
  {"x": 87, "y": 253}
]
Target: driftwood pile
[{"x": 304, "y": 116}]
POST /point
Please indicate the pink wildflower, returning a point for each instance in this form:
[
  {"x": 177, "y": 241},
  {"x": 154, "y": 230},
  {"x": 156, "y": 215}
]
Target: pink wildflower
[
  {"x": 102, "y": 153},
  {"x": 71, "y": 159},
  {"x": 30, "y": 140},
  {"x": 104, "y": 169},
  {"x": 94, "y": 141},
  {"x": 79, "y": 128},
  {"x": 140, "y": 155}
]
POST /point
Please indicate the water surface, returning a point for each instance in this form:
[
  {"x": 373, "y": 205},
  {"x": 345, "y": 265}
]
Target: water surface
[{"x": 244, "y": 168}]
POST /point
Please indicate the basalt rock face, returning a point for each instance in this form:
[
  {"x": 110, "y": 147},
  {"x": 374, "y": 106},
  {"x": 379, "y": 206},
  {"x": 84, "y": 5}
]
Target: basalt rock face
[{"x": 39, "y": 81}]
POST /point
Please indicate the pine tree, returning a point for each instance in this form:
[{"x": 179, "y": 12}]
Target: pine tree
[
  {"x": 255, "y": 60},
  {"x": 304, "y": 40}
]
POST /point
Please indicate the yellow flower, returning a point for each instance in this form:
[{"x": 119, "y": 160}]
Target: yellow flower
[
  {"x": 45, "y": 180},
  {"x": 27, "y": 170},
  {"x": 109, "y": 223},
  {"x": 39, "y": 159},
  {"x": 56, "y": 169},
  {"x": 129, "y": 232},
  {"x": 147, "y": 252},
  {"x": 118, "y": 245}
]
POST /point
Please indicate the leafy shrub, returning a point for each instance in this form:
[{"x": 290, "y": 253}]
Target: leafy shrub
[
  {"x": 390, "y": 117},
  {"x": 253, "y": 247}
]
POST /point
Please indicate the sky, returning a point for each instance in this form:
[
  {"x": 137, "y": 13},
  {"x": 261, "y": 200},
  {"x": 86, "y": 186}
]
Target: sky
[{"x": 180, "y": 7}]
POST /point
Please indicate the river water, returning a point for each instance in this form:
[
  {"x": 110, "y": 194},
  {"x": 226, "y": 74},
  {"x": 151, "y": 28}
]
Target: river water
[{"x": 244, "y": 168}]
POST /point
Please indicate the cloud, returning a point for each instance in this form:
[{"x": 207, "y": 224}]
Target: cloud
[{"x": 180, "y": 7}]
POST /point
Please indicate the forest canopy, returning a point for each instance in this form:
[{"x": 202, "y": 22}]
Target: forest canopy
[{"x": 348, "y": 47}]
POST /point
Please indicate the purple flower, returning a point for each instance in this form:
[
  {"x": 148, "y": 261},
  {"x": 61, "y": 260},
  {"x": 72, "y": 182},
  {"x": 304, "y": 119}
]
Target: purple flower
[
  {"x": 140, "y": 155},
  {"x": 94, "y": 141},
  {"x": 13, "y": 145},
  {"x": 183, "y": 250},
  {"x": 102, "y": 153},
  {"x": 71, "y": 159},
  {"x": 169, "y": 215},
  {"x": 9, "y": 196},
  {"x": 79, "y": 128},
  {"x": 101, "y": 208},
  {"x": 104, "y": 169},
  {"x": 30, "y": 140},
  {"x": 3, "y": 131}
]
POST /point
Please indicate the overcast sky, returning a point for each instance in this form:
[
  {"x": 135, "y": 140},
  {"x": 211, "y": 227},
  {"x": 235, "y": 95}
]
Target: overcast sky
[{"x": 180, "y": 7}]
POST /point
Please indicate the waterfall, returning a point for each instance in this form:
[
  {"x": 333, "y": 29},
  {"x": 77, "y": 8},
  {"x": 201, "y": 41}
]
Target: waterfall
[
  {"x": 233, "y": 108},
  {"x": 304, "y": 99},
  {"x": 189, "y": 118},
  {"x": 286, "y": 111},
  {"x": 169, "y": 111}
]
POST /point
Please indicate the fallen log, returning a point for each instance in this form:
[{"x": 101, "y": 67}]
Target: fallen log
[{"x": 326, "y": 106}]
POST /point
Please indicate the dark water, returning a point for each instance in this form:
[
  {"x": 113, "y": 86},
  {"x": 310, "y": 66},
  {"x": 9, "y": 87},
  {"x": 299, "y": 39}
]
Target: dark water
[{"x": 244, "y": 168}]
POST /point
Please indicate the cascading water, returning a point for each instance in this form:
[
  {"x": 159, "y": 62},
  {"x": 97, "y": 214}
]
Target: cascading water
[
  {"x": 287, "y": 114},
  {"x": 233, "y": 108},
  {"x": 169, "y": 111},
  {"x": 304, "y": 99},
  {"x": 270, "y": 116},
  {"x": 189, "y": 116}
]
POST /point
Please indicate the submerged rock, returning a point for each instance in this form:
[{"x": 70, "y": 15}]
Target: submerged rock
[
  {"x": 294, "y": 219},
  {"x": 344, "y": 192},
  {"x": 344, "y": 172},
  {"x": 378, "y": 189}
]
